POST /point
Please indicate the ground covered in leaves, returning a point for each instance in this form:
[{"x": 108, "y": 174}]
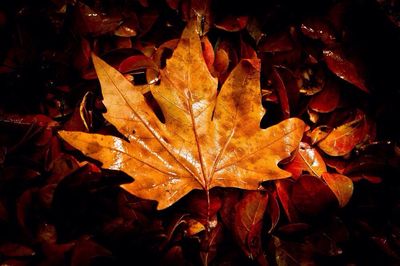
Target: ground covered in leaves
[{"x": 331, "y": 64}]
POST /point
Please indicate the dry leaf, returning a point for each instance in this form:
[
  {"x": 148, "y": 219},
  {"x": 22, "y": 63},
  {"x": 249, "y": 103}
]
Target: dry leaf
[{"x": 206, "y": 141}]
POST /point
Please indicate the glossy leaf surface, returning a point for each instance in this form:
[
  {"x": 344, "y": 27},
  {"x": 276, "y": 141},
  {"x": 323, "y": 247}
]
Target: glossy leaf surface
[{"x": 206, "y": 141}]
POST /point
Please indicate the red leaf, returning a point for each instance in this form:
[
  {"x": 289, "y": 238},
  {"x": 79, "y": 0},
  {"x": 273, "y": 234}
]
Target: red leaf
[
  {"x": 208, "y": 52},
  {"x": 129, "y": 27},
  {"x": 327, "y": 100},
  {"x": 174, "y": 256},
  {"x": 280, "y": 88},
  {"x": 232, "y": 24},
  {"x": 284, "y": 189},
  {"x": 311, "y": 196},
  {"x": 248, "y": 222},
  {"x": 92, "y": 22},
  {"x": 86, "y": 251},
  {"x": 197, "y": 204},
  {"x": 319, "y": 133},
  {"x": 344, "y": 69},
  {"x": 16, "y": 250},
  {"x": 341, "y": 140},
  {"x": 246, "y": 51},
  {"x": 318, "y": 29},
  {"x": 341, "y": 186},
  {"x": 273, "y": 211},
  {"x": 281, "y": 42},
  {"x": 209, "y": 245},
  {"x": 136, "y": 62},
  {"x": 306, "y": 160},
  {"x": 230, "y": 198},
  {"x": 286, "y": 87}
]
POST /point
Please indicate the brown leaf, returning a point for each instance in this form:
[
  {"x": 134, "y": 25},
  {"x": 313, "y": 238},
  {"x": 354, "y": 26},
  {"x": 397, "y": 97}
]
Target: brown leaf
[
  {"x": 306, "y": 159},
  {"x": 206, "y": 141},
  {"x": 341, "y": 186},
  {"x": 248, "y": 222}
]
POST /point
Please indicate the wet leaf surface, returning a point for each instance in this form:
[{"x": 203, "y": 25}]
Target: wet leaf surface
[
  {"x": 330, "y": 65},
  {"x": 170, "y": 167}
]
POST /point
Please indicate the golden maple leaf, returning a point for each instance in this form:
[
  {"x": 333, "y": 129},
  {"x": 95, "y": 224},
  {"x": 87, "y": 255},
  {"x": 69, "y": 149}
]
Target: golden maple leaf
[{"x": 206, "y": 141}]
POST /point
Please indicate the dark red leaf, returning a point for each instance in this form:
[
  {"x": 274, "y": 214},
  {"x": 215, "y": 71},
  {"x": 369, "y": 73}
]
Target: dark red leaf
[
  {"x": 341, "y": 186},
  {"x": 86, "y": 251},
  {"x": 273, "y": 211},
  {"x": 341, "y": 140},
  {"x": 248, "y": 222},
  {"x": 319, "y": 29},
  {"x": 328, "y": 99},
  {"x": 311, "y": 196},
  {"x": 232, "y": 24},
  {"x": 16, "y": 250},
  {"x": 208, "y": 52},
  {"x": 306, "y": 160},
  {"x": 281, "y": 42},
  {"x": 344, "y": 69},
  {"x": 197, "y": 205},
  {"x": 284, "y": 190},
  {"x": 174, "y": 256},
  {"x": 210, "y": 244},
  {"x": 94, "y": 23}
]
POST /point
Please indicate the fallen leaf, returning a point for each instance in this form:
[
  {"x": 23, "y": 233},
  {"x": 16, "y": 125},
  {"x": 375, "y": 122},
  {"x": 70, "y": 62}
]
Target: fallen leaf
[
  {"x": 206, "y": 141},
  {"x": 284, "y": 189},
  {"x": 318, "y": 134},
  {"x": 87, "y": 251},
  {"x": 311, "y": 196},
  {"x": 318, "y": 29},
  {"x": 209, "y": 245},
  {"x": 341, "y": 186},
  {"x": 16, "y": 250},
  {"x": 208, "y": 52},
  {"x": 344, "y": 68},
  {"x": 327, "y": 100},
  {"x": 273, "y": 211},
  {"x": 306, "y": 160},
  {"x": 342, "y": 139},
  {"x": 248, "y": 222},
  {"x": 277, "y": 43},
  {"x": 311, "y": 80},
  {"x": 232, "y": 23}
]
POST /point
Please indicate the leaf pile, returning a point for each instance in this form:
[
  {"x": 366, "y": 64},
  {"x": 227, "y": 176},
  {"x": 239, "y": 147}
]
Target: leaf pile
[{"x": 209, "y": 132}]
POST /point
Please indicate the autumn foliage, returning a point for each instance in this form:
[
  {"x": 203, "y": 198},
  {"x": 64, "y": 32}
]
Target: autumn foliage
[{"x": 185, "y": 132}]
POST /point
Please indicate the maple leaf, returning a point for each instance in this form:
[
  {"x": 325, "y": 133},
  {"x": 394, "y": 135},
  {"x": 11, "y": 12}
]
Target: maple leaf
[{"x": 206, "y": 140}]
